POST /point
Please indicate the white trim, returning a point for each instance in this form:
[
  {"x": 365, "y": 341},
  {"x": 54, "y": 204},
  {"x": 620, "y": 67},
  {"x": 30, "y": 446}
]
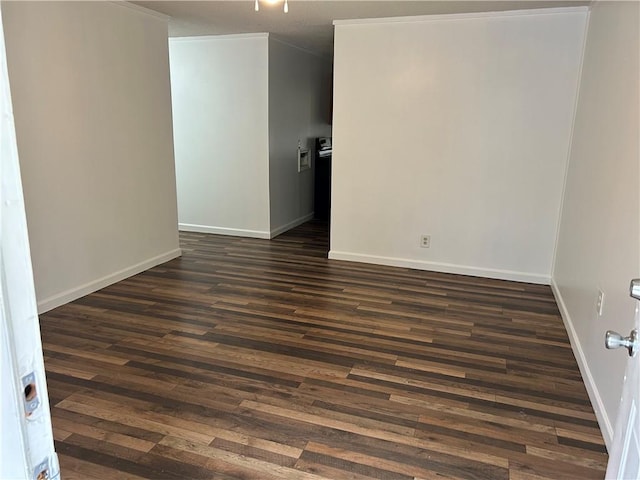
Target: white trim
[
  {"x": 592, "y": 389},
  {"x": 139, "y": 9},
  {"x": 90, "y": 287},
  {"x": 232, "y": 36},
  {"x": 234, "y": 232},
  {"x": 298, "y": 221},
  {"x": 461, "y": 16},
  {"x": 442, "y": 267}
]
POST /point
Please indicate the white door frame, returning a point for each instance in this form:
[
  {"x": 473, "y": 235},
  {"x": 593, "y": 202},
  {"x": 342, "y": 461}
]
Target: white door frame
[{"x": 26, "y": 444}]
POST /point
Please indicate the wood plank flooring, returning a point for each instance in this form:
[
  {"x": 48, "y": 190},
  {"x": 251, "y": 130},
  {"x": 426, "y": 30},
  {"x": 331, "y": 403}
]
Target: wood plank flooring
[{"x": 256, "y": 359}]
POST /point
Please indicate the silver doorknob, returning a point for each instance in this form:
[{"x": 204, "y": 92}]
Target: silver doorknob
[{"x": 615, "y": 340}]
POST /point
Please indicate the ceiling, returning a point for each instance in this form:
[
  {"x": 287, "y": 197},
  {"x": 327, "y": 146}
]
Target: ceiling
[{"x": 309, "y": 23}]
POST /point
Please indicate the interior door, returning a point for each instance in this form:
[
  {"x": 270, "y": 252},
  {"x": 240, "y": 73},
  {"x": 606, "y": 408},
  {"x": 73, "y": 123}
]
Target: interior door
[
  {"x": 26, "y": 441},
  {"x": 624, "y": 457}
]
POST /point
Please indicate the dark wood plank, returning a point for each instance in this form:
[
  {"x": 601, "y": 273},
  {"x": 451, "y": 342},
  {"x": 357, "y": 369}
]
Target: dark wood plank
[{"x": 258, "y": 359}]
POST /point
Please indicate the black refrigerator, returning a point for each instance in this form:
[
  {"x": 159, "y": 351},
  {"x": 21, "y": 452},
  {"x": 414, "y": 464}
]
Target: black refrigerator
[{"x": 322, "y": 187}]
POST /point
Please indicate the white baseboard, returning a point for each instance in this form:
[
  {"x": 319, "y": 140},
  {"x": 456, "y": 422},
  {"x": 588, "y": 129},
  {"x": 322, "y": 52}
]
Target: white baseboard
[
  {"x": 234, "y": 232},
  {"x": 298, "y": 221},
  {"x": 442, "y": 267},
  {"x": 77, "y": 292},
  {"x": 594, "y": 395},
  {"x": 239, "y": 232}
]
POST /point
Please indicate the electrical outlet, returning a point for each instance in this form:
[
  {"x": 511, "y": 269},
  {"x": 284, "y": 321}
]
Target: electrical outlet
[
  {"x": 425, "y": 241},
  {"x": 600, "y": 302}
]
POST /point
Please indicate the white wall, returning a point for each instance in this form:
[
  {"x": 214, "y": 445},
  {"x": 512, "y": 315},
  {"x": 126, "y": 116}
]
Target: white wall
[
  {"x": 220, "y": 120},
  {"x": 299, "y": 95},
  {"x": 457, "y": 127},
  {"x": 91, "y": 97},
  {"x": 599, "y": 240}
]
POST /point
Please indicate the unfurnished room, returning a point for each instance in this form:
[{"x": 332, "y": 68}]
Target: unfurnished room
[{"x": 320, "y": 240}]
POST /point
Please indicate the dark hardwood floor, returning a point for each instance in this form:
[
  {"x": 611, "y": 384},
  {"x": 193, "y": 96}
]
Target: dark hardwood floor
[{"x": 256, "y": 359}]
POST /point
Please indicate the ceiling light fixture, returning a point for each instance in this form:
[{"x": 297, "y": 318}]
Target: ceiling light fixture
[{"x": 256, "y": 5}]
